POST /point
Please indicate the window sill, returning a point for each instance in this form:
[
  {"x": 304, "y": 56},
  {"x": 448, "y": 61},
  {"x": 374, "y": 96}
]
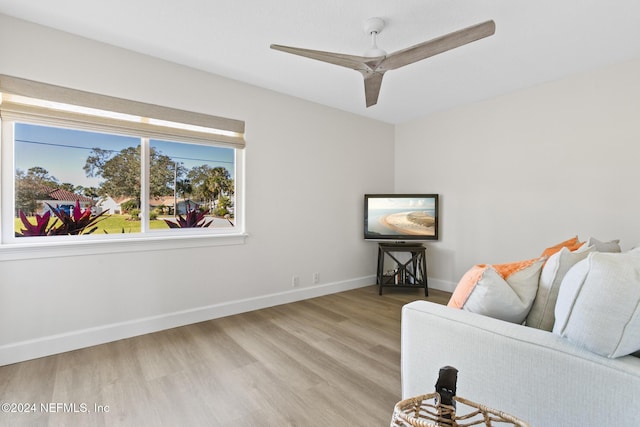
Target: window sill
[{"x": 18, "y": 251}]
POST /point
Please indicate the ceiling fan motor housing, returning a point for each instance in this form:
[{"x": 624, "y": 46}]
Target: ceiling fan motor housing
[{"x": 373, "y": 27}]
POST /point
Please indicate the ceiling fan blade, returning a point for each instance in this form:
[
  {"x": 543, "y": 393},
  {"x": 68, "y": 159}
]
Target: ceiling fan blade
[
  {"x": 372, "y": 84},
  {"x": 359, "y": 63},
  {"x": 438, "y": 45}
]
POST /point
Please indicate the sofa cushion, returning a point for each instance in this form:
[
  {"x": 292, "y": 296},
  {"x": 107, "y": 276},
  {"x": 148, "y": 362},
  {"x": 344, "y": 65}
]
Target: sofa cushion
[
  {"x": 542, "y": 314},
  {"x": 598, "y": 305},
  {"x": 501, "y": 291},
  {"x": 571, "y": 244}
]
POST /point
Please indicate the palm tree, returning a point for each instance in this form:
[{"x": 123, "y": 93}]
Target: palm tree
[{"x": 209, "y": 184}]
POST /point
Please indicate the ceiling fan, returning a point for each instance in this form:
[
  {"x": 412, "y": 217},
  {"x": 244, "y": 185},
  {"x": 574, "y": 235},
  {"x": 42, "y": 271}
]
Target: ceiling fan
[{"x": 376, "y": 62}]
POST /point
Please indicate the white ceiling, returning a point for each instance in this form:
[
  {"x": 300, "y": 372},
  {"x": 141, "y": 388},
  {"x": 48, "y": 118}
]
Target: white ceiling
[{"x": 535, "y": 41}]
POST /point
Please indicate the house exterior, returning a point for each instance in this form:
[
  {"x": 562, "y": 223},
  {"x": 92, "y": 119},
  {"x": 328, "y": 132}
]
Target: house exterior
[
  {"x": 63, "y": 199},
  {"x": 114, "y": 206},
  {"x": 166, "y": 203}
]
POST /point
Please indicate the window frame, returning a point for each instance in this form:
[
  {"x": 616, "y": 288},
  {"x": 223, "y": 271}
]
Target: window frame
[{"x": 232, "y": 136}]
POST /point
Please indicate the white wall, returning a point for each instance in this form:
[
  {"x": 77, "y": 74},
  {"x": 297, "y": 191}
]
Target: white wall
[
  {"x": 526, "y": 170},
  {"x": 307, "y": 167}
]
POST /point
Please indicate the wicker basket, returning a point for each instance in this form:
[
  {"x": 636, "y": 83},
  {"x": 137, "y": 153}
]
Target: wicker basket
[{"x": 426, "y": 411}]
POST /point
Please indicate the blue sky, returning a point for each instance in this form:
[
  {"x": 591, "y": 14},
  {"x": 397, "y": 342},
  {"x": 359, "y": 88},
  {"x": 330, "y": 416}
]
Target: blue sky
[{"x": 63, "y": 152}]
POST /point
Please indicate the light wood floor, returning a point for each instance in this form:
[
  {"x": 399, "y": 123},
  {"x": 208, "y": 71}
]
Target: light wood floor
[{"x": 327, "y": 361}]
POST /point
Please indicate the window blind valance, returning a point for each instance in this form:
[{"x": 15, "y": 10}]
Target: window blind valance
[{"x": 55, "y": 105}]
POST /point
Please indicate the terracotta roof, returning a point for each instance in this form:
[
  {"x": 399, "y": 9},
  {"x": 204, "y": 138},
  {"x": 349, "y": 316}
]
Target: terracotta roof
[{"x": 59, "y": 194}]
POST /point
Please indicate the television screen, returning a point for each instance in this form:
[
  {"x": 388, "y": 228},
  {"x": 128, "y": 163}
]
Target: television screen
[{"x": 401, "y": 217}]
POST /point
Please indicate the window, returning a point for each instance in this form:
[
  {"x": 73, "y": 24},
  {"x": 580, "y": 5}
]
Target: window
[{"x": 74, "y": 173}]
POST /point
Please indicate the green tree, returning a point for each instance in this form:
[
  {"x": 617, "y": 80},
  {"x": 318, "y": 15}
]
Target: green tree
[
  {"x": 210, "y": 183},
  {"x": 70, "y": 187},
  {"x": 184, "y": 188},
  {"x": 222, "y": 208},
  {"x": 164, "y": 172},
  {"x": 121, "y": 172},
  {"x": 92, "y": 192},
  {"x": 32, "y": 186}
]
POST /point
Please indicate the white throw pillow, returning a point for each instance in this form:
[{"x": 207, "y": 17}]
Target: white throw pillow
[
  {"x": 542, "y": 314},
  {"x": 503, "y": 291},
  {"x": 611, "y": 246},
  {"x": 598, "y": 305}
]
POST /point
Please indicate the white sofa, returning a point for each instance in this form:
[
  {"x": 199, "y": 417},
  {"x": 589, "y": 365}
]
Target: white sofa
[
  {"x": 575, "y": 365},
  {"x": 535, "y": 375}
]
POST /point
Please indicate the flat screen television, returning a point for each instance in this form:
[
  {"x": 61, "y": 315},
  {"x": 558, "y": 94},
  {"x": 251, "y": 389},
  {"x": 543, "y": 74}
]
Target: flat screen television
[{"x": 400, "y": 217}]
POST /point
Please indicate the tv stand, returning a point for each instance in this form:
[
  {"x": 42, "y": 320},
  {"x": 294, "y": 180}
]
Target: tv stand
[{"x": 405, "y": 274}]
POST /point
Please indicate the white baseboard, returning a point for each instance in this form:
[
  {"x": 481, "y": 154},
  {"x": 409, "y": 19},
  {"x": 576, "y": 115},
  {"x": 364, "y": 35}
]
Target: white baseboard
[
  {"x": 442, "y": 285},
  {"x": 54, "y": 344}
]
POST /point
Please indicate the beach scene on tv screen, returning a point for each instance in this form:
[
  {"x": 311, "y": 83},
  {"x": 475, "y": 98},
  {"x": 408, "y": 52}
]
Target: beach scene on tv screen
[{"x": 402, "y": 216}]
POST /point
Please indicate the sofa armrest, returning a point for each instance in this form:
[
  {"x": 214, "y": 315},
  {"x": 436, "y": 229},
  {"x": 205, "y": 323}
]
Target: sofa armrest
[{"x": 531, "y": 374}]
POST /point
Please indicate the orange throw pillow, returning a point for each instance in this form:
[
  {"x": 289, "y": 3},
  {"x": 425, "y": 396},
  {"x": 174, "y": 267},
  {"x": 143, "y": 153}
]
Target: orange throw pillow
[
  {"x": 506, "y": 270},
  {"x": 464, "y": 288},
  {"x": 571, "y": 244}
]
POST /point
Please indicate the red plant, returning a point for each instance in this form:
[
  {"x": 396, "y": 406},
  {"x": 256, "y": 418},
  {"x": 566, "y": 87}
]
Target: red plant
[
  {"x": 78, "y": 222},
  {"x": 193, "y": 219},
  {"x": 39, "y": 229}
]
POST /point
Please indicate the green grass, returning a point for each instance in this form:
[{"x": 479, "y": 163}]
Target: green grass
[{"x": 112, "y": 224}]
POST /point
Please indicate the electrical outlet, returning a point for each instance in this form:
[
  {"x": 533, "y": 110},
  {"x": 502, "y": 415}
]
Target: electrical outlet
[
  {"x": 316, "y": 278},
  {"x": 295, "y": 281}
]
